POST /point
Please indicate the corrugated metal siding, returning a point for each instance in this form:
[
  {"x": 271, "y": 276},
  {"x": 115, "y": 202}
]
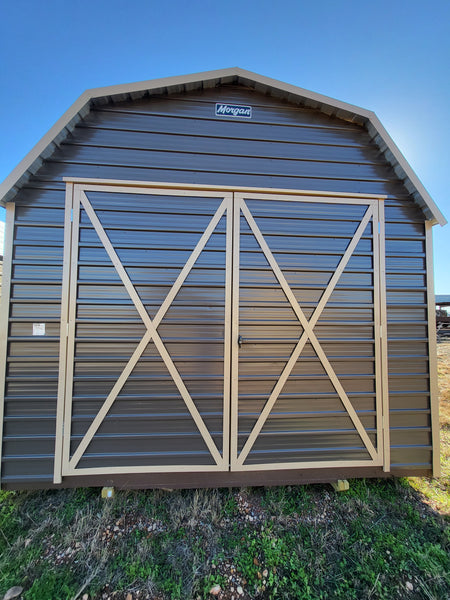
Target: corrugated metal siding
[
  {"x": 32, "y": 363},
  {"x": 178, "y": 139}
]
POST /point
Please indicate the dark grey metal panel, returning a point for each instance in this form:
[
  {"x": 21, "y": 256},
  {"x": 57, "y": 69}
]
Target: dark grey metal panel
[
  {"x": 194, "y": 174},
  {"x": 214, "y": 145},
  {"x": 178, "y": 129}
]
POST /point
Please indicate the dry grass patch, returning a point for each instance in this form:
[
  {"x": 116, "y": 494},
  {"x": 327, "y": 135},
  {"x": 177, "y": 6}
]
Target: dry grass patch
[{"x": 436, "y": 492}]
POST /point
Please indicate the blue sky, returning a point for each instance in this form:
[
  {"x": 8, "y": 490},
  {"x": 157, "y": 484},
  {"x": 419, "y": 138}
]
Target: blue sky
[{"x": 391, "y": 57}]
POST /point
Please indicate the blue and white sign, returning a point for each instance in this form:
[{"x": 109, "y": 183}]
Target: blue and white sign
[{"x": 233, "y": 110}]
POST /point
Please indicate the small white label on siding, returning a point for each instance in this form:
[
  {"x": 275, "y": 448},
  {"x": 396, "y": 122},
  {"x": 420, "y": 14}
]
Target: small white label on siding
[{"x": 38, "y": 328}]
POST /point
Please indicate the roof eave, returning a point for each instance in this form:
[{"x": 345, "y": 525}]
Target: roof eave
[{"x": 404, "y": 170}]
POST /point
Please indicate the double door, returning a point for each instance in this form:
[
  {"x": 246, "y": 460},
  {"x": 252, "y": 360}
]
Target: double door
[{"x": 209, "y": 330}]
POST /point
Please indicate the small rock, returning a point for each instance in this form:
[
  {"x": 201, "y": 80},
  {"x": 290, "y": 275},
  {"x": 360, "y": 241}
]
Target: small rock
[
  {"x": 27, "y": 543},
  {"x": 215, "y": 590},
  {"x": 85, "y": 597},
  {"x": 13, "y": 593},
  {"x": 129, "y": 596},
  {"x": 265, "y": 573},
  {"x": 239, "y": 590},
  {"x": 409, "y": 586},
  {"x": 116, "y": 528}
]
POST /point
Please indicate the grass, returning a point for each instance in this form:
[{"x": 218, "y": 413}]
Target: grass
[
  {"x": 285, "y": 542},
  {"x": 381, "y": 540},
  {"x": 437, "y": 492}
]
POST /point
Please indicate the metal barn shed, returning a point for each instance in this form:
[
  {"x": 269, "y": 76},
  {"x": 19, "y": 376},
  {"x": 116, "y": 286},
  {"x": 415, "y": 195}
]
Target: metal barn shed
[{"x": 216, "y": 279}]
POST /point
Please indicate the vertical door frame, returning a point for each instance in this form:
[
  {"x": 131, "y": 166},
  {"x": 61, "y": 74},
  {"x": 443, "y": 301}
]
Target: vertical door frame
[
  {"x": 383, "y": 367},
  {"x": 64, "y": 330}
]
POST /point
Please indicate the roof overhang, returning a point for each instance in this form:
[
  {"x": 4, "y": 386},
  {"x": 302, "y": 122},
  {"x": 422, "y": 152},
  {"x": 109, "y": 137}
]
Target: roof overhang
[{"x": 210, "y": 79}]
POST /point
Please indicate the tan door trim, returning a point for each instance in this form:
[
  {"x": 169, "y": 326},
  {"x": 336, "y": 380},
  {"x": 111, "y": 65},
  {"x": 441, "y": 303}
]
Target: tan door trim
[
  {"x": 63, "y": 346},
  {"x": 142, "y": 187},
  {"x": 237, "y": 461},
  {"x": 69, "y": 465},
  {"x": 381, "y": 362}
]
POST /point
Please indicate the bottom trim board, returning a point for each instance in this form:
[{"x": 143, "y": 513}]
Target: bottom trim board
[{"x": 218, "y": 479}]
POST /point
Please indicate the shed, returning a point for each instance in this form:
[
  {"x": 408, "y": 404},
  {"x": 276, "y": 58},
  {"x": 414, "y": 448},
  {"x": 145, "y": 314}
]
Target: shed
[{"x": 216, "y": 279}]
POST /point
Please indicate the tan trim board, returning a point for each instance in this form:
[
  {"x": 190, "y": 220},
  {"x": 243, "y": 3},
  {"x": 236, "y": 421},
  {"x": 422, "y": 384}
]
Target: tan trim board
[
  {"x": 309, "y": 465},
  {"x": 227, "y": 343},
  {"x": 71, "y": 329},
  {"x": 57, "y": 475},
  {"x": 234, "y": 336},
  {"x": 316, "y": 197},
  {"x": 138, "y": 469},
  {"x": 377, "y": 332},
  {"x": 158, "y": 188},
  {"x": 4, "y": 312},
  {"x": 384, "y": 341},
  {"x": 161, "y": 187},
  {"x": 308, "y": 334},
  {"x": 432, "y": 349}
]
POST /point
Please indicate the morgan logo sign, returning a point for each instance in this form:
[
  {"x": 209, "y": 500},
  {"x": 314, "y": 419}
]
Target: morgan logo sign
[{"x": 233, "y": 110}]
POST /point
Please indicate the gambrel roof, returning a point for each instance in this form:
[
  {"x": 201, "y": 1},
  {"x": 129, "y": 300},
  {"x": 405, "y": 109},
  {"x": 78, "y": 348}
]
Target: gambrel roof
[{"x": 210, "y": 79}]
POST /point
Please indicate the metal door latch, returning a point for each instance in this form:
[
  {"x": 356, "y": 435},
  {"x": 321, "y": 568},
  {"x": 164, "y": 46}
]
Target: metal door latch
[{"x": 240, "y": 341}]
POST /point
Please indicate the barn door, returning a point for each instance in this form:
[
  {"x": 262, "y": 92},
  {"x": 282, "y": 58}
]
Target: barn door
[
  {"x": 146, "y": 359},
  {"x": 307, "y": 373},
  {"x": 205, "y": 330}
]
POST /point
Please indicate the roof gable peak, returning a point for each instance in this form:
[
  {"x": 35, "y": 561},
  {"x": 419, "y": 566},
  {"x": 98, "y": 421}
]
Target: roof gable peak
[{"x": 186, "y": 83}]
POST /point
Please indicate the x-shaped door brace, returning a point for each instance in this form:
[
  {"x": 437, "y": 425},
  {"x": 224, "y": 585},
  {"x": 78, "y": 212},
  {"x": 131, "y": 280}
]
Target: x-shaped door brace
[
  {"x": 151, "y": 333},
  {"x": 308, "y": 333}
]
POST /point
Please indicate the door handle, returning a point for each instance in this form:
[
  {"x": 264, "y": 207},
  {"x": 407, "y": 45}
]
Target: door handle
[{"x": 240, "y": 341}]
